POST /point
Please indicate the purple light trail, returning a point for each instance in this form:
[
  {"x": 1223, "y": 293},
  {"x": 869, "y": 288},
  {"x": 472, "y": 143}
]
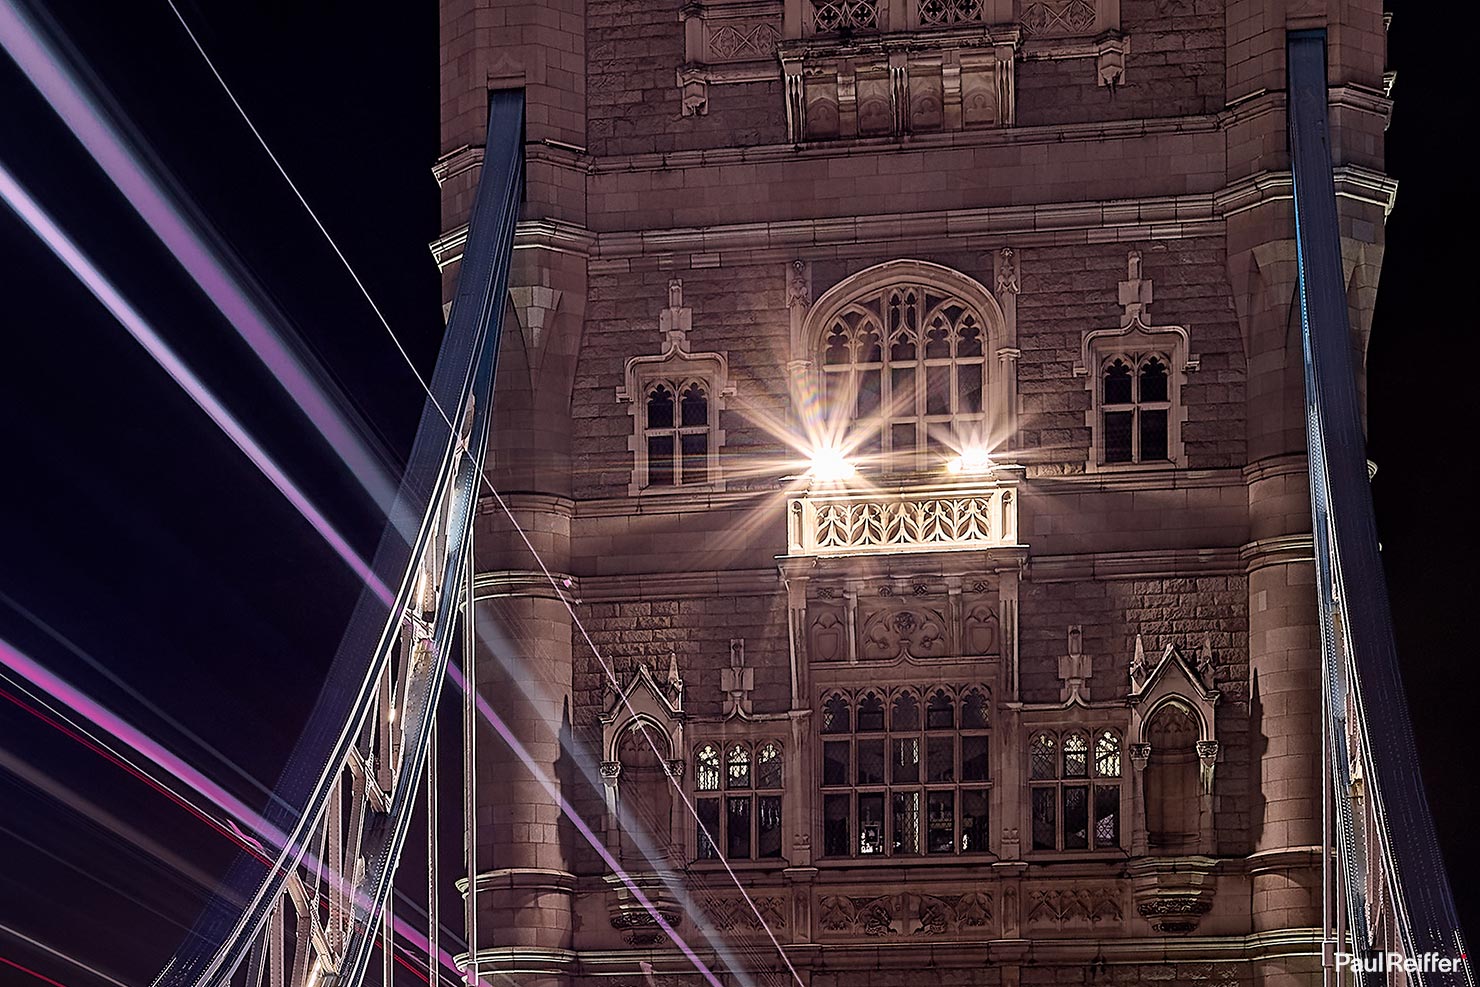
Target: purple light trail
[
  {"x": 34, "y": 216},
  {"x": 79, "y": 110}
]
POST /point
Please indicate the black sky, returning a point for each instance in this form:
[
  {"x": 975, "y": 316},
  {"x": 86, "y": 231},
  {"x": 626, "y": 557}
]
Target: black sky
[{"x": 133, "y": 528}]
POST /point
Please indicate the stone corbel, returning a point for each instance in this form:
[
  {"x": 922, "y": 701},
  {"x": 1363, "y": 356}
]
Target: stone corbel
[
  {"x": 693, "y": 88},
  {"x": 1110, "y": 60},
  {"x": 796, "y": 99},
  {"x": 1207, "y": 756}
]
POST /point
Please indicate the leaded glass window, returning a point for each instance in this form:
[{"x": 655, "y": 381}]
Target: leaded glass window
[
  {"x": 1074, "y": 790},
  {"x": 906, "y": 780}
]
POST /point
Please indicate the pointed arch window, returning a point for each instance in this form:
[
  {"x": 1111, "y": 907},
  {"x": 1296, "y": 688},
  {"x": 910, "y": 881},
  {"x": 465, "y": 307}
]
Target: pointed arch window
[
  {"x": 677, "y": 434},
  {"x": 904, "y": 375},
  {"x": 1135, "y": 409},
  {"x": 742, "y": 821},
  {"x": 1074, "y": 790}
]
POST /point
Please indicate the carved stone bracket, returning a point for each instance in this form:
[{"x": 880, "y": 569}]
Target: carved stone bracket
[{"x": 1173, "y": 893}]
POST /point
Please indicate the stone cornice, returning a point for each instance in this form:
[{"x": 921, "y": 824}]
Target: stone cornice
[
  {"x": 1168, "y": 563},
  {"x": 1167, "y": 479},
  {"x": 524, "y": 583},
  {"x": 1273, "y": 467},
  {"x": 638, "y": 587},
  {"x": 1080, "y": 951},
  {"x": 1016, "y": 136},
  {"x": 1108, "y": 220},
  {"x": 1283, "y": 550}
]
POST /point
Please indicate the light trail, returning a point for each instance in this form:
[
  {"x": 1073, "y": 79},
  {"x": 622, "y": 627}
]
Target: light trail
[
  {"x": 70, "y": 101},
  {"x": 85, "y": 706},
  {"x": 31, "y": 213},
  {"x": 88, "y": 809},
  {"x": 587, "y": 833},
  {"x": 38, "y": 944},
  {"x": 69, "y": 98},
  {"x": 33, "y": 973},
  {"x": 137, "y": 696}
]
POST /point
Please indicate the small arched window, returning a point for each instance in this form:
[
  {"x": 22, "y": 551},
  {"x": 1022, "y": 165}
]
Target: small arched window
[
  {"x": 677, "y": 434},
  {"x": 746, "y": 821},
  {"x": 1135, "y": 408},
  {"x": 1074, "y": 791}
]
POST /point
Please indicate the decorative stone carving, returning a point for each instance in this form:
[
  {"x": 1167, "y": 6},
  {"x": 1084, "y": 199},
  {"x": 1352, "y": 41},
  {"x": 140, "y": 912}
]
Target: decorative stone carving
[
  {"x": 639, "y": 927},
  {"x": 1075, "y": 668},
  {"x": 827, "y": 636},
  {"x": 731, "y": 913},
  {"x": 1074, "y": 907},
  {"x": 1007, "y": 273},
  {"x": 726, "y": 41},
  {"x": 1173, "y": 893},
  {"x": 852, "y": 523},
  {"x": 866, "y": 86},
  {"x": 737, "y": 681},
  {"x": 907, "y": 915},
  {"x": 1058, "y": 18},
  {"x": 980, "y": 632},
  {"x": 1207, "y": 756},
  {"x": 917, "y": 632}
]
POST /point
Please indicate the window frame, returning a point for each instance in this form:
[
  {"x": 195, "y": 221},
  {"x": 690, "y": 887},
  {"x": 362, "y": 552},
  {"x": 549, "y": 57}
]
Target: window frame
[
  {"x": 901, "y": 312},
  {"x": 730, "y": 790},
  {"x": 1135, "y": 343},
  {"x": 675, "y": 431},
  {"x": 676, "y": 368},
  {"x": 888, "y": 786},
  {"x": 1092, "y": 781},
  {"x": 1135, "y": 407}
]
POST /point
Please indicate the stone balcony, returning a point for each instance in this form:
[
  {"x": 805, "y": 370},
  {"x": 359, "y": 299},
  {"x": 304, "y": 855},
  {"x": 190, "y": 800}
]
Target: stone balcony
[{"x": 955, "y": 517}]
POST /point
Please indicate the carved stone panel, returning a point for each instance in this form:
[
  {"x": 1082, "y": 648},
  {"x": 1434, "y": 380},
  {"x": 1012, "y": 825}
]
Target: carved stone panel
[
  {"x": 981, "y": 632},
  {"x": 904, "y": 632},
  {"x": 865, "y": 87},
  {"x": 731, "y": 914},
  {"x": 827, "y": 634},
  {"x": 1075, "y": 908},
  {"x": 905, "y": 915}
]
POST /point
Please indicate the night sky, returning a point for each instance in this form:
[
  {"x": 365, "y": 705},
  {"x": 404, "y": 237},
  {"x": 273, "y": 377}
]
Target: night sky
[{"x": 136, "y": 534}]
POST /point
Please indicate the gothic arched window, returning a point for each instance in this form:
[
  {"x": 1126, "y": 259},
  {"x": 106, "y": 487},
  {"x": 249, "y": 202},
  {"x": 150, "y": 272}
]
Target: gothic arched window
[
  {"x": 645, "y": 796},
  {"x": 904, "y": 373},
  {"x": 1135, "y": 409},
  {"x": 677, "y": 432},
  {"x": 1074, "y": 790},
  {"x": 745, "y": 822},
  {"x": 916, "y": 784}
]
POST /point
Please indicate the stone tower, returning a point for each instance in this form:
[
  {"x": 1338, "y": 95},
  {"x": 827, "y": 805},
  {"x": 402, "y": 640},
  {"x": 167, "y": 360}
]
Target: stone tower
[{"x": 900, "y": 408}]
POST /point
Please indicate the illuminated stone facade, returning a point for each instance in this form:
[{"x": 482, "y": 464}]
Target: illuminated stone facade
[{"x": 905, "y": 398}]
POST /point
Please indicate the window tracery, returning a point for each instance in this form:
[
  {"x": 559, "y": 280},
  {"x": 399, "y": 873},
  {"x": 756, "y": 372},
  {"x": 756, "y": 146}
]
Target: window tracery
[
  {"x": 903, "y": 366},
  {"x": 1074, "y": 790},
  {"x": 908, "y": 773},
  {"x": 739, "y": 808},
  {"x": 1135, "y": 408},
  {"x": 675, "y": 398},
  {"x": 1136, "y": 375}
]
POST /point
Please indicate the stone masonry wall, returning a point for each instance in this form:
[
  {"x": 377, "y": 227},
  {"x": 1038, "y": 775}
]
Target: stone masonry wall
[
  {"x": 1067, "y": 291},
  {"x": 1163, "y": 611},
  {"x": 1175, "y": 68}
]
